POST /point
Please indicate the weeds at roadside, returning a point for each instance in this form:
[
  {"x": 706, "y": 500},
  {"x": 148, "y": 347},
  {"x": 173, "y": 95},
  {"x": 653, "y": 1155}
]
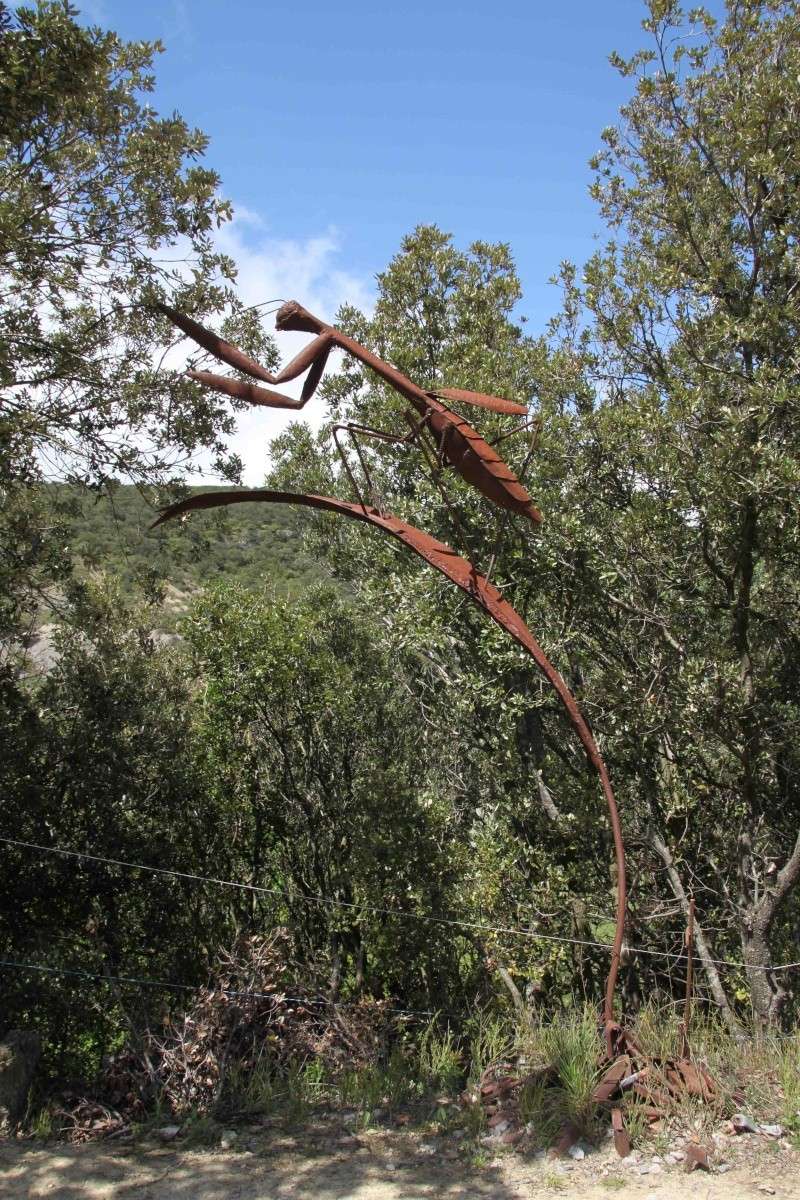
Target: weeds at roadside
[
  {"x": 571, "y": 1045},
  {"x": 491, "y": 1040},
  {"x": 200, "y": 1132},
  {"x": 42, "y": 1123},
  {"x": 439, "y": 1058}
]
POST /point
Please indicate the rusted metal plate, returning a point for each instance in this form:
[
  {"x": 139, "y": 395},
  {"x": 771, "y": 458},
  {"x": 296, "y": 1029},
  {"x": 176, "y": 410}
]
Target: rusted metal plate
[
  {"x": 497, "y": 404},
  {"x": 686, "y": 1078},
  {"x": 611, "y": 1078},
  {"x": 569, "y": 1135},
  {"x": 622, "y": 1141}
]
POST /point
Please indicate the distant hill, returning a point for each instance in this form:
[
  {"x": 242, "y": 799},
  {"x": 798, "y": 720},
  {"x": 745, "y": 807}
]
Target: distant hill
[{"x": 247, "y": 544}]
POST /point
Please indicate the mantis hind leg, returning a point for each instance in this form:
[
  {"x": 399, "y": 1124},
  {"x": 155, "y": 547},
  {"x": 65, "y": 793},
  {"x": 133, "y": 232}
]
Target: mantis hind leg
[{"x": 353, "y": 431}]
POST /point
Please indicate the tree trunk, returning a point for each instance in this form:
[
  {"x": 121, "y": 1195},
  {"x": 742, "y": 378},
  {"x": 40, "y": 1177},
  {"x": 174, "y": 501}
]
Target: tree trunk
[
  {"x": 703, "y": 950},
  {"x": 768, "y": 995}
]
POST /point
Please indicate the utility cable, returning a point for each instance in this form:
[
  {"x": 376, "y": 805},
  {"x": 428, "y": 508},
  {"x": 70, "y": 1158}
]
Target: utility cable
[{"x": 391, "y": 912}]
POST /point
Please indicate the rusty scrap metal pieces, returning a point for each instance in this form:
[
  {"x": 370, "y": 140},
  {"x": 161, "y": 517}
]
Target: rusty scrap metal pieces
[
  {"x": 459, "y": 444},
  {"x": 622, "y": 1139},
  {"x": 612, "y": 1079},
  {"x": 658, "y": 1085},
  {"x": 569, "y": 1135},
  {"x": 691, "y": 1079}
]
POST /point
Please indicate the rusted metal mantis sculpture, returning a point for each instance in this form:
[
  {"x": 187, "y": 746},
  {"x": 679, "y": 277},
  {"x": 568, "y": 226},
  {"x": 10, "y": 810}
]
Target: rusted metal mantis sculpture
[{"x": 458, "y": 446}]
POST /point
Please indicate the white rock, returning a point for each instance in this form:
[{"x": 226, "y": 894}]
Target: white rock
[
  {"x": 774, "y": 1131},
  {"x": 724, "y": 1167},
  {"x": 168, "y": 1132},
  {"x": 426, "y": 1148},
  {"x": 576, "y": 1152},
  {"x": 228, "y": 1139}
]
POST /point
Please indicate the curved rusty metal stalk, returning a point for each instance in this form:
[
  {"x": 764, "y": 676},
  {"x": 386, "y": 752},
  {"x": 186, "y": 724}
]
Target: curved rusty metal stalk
[{"x": 487, "y": 597}]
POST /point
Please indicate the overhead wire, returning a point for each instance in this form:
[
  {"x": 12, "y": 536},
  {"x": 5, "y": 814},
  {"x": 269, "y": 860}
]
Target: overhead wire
[
  {"x": 452, "y": 922},
  {"x": 161, "y": 984}
]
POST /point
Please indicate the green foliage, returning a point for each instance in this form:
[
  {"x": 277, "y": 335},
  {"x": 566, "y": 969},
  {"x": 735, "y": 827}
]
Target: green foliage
[
  {"x": 312, "y": 747},
  {"x": 571, "y": 1044},
  {"x": 105, "y": 208},
  {"x": 677, "y": 463},
  {"x": 439, "y": 1057},
  {"x": 250, "y": 545},
  {"x": 100, "y": 757}
]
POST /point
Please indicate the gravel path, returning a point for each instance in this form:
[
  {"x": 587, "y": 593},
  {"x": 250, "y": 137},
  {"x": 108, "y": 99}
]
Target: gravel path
[{"x": 365, "y": 1167}]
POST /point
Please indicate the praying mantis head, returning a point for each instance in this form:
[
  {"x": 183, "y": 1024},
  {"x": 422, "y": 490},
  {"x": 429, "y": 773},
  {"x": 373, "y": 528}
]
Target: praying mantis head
[{"x": 292, "y": 317}]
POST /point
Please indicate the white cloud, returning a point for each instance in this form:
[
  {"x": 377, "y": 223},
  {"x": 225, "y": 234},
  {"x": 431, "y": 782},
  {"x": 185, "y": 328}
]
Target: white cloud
[{"x": 272, "y": 268}]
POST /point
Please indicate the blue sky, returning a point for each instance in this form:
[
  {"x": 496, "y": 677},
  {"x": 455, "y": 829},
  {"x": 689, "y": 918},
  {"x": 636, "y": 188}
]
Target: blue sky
[{"x": 338, "y": 127}]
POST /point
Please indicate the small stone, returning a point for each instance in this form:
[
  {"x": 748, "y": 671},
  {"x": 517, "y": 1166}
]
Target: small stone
[
  {"x": 426, "y": 1148},
  {"x": 773, "y": 1131},
  {"x": 696, "y": 1158},
  {"x": 228, "y": 1139},
  {"x": 767, "y": 1189},
  {"x": 644, "y": 1169},
  {"x": 674, "y": 1157},
  {"x": 168, "y": 1133},
  {"x": 724, "y": 1167},
  {"x": 576, "y": 1152}
]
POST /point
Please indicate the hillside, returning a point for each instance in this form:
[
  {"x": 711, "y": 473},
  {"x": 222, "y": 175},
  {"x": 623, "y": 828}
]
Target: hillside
[{"x": 247, "y": 544}]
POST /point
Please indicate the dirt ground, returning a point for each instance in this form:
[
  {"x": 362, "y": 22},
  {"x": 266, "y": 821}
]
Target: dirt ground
[{"x": 375, "y": 1165}]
